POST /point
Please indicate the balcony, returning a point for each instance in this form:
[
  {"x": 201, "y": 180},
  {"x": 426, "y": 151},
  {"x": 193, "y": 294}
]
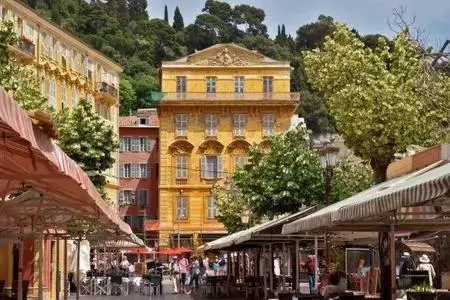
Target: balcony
[
  {"x": 24, "y": 49},
  {"x": 106, "y": 92},
  {"x": 230, "y": 96}
]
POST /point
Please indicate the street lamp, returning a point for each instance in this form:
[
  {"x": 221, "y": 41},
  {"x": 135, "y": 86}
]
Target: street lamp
[
  {"x": 328, "y": 158},
  {"x": 245, "y": 218}
]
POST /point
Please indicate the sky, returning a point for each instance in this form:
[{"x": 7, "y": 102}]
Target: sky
[{"x": 367, "y": 16}]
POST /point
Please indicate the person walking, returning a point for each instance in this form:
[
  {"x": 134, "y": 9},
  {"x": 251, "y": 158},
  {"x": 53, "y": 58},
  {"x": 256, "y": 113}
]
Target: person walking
[
  {"x": 184, "y": 271},
  {"x": 310, "y": 267},
  {"x": 174, "y": 272},
  {"x": 425, "y": 265}
]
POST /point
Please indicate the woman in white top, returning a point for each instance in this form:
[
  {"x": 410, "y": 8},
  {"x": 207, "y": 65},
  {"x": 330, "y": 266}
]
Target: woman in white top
[{"x": 425, "y": 265}]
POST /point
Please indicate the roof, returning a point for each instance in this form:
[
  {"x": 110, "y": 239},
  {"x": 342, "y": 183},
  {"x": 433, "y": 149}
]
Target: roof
[
  {"x": 403, "y": 199},
  {"x": 228, "y": 55},
  {"x": 131, "y": 121},
  {"x": 419, "y": 247}
]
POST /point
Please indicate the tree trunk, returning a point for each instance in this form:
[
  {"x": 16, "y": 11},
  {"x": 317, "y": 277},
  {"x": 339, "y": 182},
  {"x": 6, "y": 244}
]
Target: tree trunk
[{"x": 379, "y": 166}]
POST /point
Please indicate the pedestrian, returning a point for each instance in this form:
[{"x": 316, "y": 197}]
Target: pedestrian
[
  {"x": 425, "y": 265},
  {"x": 174, "y": 272},
  {"x": 184, "y": 271},
  {"x": 195, "y": 274},
  {"x": 407, "y": 264},
  {"x": 310, "y": 267}
]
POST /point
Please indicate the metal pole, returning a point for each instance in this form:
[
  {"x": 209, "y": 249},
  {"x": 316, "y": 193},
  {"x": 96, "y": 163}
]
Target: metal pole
[
  {"x": 328, "y": 190},
  {"x": 66, "y": 285},
  {"x": 20, "y": 275},
  {"x": 316, "y": 269},
  {"x": 40, "y": 268},
  {"x": 271, "y": 267},
  {"x": 104, "y": 259},
  {"x": 297, "y": 266},
  {"x": 78, "y": 269},
  {"x": 58, "y": 273},
  {"x": 392, "y": 260}
]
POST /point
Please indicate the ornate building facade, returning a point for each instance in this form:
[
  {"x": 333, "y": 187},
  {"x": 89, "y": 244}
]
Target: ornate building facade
[{"x": 216, "y": 103}]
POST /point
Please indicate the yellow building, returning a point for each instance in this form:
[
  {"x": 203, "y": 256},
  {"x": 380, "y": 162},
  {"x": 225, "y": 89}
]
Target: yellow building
[
  {"x": 216, "y": 103},
  {"x": 67, "y": 68}
]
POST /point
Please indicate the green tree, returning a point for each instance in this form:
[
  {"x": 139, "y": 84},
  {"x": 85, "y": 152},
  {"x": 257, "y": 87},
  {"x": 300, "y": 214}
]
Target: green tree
[
  {"x": 251, "y": 17},
  {"x": 137, "y": 9},
  {"x": 166, "y": 14},
  {"x": 380, "y": 98},
  {"x": 127, "y": 96},
  {"x": 178, "y": 23},
  {"x": 283, "y": 32},
  {"x": 88, "y": 140},
  {"x": 19, "y": 81},
  {"x": 312, "y": 35}
]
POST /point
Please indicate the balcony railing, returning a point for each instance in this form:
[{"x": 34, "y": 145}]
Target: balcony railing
[
  {"x": 26, "y": 46},
  {"x": 231, "y": 96},
  {"x": 107, "y": 88}
]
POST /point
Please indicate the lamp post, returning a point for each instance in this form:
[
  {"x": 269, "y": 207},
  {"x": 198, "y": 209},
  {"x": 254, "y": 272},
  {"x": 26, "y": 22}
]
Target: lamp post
[
  {"x": 328, "y": 158},
  {"x": 245, "y": 218}
]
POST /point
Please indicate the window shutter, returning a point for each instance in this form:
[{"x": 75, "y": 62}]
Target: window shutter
[
  {"x": 132, "y": 171},
  {"x": 149, "y": 146},
  {"x": 121, "y": 171},
  {"x": 203, "y": 169},
  {"x": 133, "y": 197},
  {"x": 121, "y": 198},
  {"x": 219, "y": 167},
  {"x": 122, "y": 146}
]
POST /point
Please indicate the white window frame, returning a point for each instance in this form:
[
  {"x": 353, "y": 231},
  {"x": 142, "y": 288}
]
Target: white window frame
[
  {"x": 181, "y": 207},
  {"x": 211, "y": 167},
  {"x": 181, "y": 162},
  {"x": 52, "y": 92},
  {"x": 124, "y": 171},
  {"x": 211, "y": 207},
  {"x": 143, "y": 143},
  {"x": 139, "y": 198},
  {"x": 268, "y": 124},
  {"x": 211, "y": 125},
  {"x": 144, "y": 170},
  {"x": 125, "y": 144},
  {"x": 239, "y": 121},
  {"x": 239, "y": 84},
  {"x": 181, "y": 125},
  {"x": 181, "y": 86},
  {"x": 268, "y": 86},
  {"x": 211, "y": 86}
]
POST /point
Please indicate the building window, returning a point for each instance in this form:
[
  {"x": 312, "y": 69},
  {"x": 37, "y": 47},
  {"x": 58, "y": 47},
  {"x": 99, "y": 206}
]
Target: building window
[
  {"x": 211, "y": 125},
  {"x": 142, "y": 198},
  {"x": 211, "y": 167},
  {"x": 211, "y": 86},
  {"x": 143, "y": 121},
  {"x": 239, "y": 87},
  {"x": 181, "y": 125},
  {"x": 63, "y": 96},
  {"x": 126, "y": 197},
  {"x": 239, "y": 161},
  {"x": 125, "y": 144},
  {"x": 211, "y": 209},
  {"x": 181, "y": 87},
  {"x": 74, "y": 97},
  {"x": 140, "y": 222},
  {"x": 52, "y": 92},
  {"x": 144, "y": 144},
  {"x": 141, "y": 171},
  {"x": 267, "y": 86},
  {"x": 182, "y": 167},
  {"x": 268, "y": 124},
  {"x": 182, "y": 208},
  {"x": 126, "y": 170},
  {"x": 239, "y": 121}
]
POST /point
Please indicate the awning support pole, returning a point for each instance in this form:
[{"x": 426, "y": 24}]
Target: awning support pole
[
  {"x": 265, "y": 271},
  {"x": 65, "y": 281},
  {"x": 271, "y": 266},
  {"x": 316, "y": 267},
  {"x": 386, "y": 240},
  {"x": 58, "y": 272},
  {"x": 20, "y": 275},
  {"x": 297, "y": 266},
  {"x": 40, "y": 268},
  {"x": 392, "y": 261},
  {"x": 78, "y": 268},
  {"x": 104, "y": 259}
]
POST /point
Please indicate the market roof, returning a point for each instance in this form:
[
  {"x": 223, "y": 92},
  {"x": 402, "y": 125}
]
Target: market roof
[
  {"x": 32, "y": 161},
  {"x": 408, "y": 202}
]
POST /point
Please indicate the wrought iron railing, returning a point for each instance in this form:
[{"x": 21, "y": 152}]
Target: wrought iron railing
[
  {"x": 107, "y": 88},
  {"x": 26, "y": 46},
  {"x": 230, "y": 96}
]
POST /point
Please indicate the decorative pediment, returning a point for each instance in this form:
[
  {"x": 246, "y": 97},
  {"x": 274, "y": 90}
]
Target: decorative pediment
[
  {"x": 238, "y": 144},
  {"x": 228, "y": 55},
  {"x": 211, "y": 147},
  {"x": 181, "y": 147}
]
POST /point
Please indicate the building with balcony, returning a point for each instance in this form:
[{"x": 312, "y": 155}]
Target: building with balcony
[
  {"x": 67, "y": 68},
  {"x": 215, "y": 104},
  {"x": 139, "y": 168}
]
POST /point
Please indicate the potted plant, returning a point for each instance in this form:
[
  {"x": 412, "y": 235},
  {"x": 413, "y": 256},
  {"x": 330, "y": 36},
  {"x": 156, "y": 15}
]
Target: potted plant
[{"x": 421, "y": 292}]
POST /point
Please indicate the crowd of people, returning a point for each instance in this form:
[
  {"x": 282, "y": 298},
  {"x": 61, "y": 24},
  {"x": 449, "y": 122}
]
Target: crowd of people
[{"x": 187, "y": 273}]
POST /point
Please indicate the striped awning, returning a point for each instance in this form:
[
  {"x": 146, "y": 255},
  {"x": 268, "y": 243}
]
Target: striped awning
[
  {"x": 30, "y": 160},
  {"x": 402, "y": 195}
]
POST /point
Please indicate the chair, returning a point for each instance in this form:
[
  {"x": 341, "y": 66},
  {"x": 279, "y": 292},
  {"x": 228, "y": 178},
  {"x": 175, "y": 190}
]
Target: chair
[
  {"x": 117, "y": 285},
  {"x": 155, "y": 281},
  {"x": 86, "y": 286},
  {"x": 100, "y": 286}
]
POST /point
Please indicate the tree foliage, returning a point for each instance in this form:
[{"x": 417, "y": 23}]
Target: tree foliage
[
  {"x": 284, "y": 179},
  {"x": 178, "y": 23},
  {"x": 382, "y": 100},
  {"x": 17, "y": 80},
  {"x": 88, "y": 140}
]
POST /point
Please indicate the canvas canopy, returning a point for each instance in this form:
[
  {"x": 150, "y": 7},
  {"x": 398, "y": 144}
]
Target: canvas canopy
[
  {"x": 32, "y": 161},
  {"x": 418, "y": 201}
]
